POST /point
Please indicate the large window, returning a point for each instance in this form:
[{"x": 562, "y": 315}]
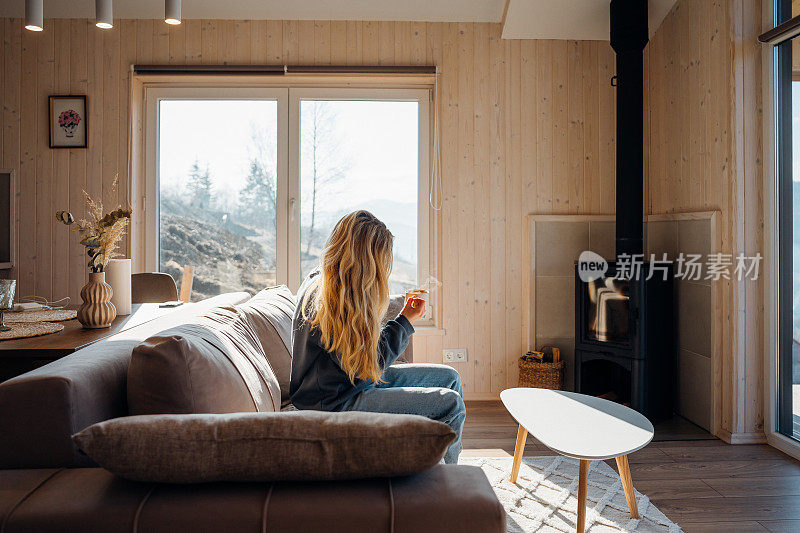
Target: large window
[{"x": 245, "y": 185}]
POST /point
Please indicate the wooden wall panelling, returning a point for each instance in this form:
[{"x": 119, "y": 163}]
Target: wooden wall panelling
[
  {"x": 590, "y": 82},
  {"x": 322, "y": 42},
  {"x": 386, "y": 43},
  {"x": 194, "y": 41},
  {"x": 498, "y": 51},
  {"x": 338, "y": 40},
  {"x": 61, "y": 167},
  {"x": 516, "y": 271},
  {"x": 607, "y": 127},
  {"x": 575, "y": 70},
  {"x": 29, "y": 114},
  {"x": 527, "y": 109},
  {"x": 177, "y": 43},
  {"x": 481, "y": 354},
  {"x": 449, "y": 138},
  {"x": 544, "y": 128},
  {"x": 561, "y": 164},
  {"x": 466, "y": 197},
  {"x": 127, "y": 57},
  {"x": 209, "y": 42},
  {"x": 75, "y": 202},
  {"x": 44, "y": 176},
  {"x": 355, "y": 43}
]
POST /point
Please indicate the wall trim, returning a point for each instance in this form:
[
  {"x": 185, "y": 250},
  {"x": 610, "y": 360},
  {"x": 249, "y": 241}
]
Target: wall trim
[{"x": 742, "y": 438}]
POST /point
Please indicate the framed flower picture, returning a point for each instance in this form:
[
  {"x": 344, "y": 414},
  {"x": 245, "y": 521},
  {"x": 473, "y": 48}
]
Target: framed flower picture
[{"x": 68, "y": 121}]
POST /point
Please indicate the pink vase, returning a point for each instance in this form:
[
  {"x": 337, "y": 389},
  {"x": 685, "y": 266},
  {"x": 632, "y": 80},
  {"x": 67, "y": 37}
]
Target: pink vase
[{"x": 97, "y": 311}]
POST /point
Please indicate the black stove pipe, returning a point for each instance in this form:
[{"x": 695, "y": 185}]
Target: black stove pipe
[{"x": 629, "y": 36}]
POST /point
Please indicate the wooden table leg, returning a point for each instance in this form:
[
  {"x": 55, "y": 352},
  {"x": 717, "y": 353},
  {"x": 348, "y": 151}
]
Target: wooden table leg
[
  {"x": 627, "y": 484},
  {"x": 522, "y": 436},
  {"x": 583, "y": 480}
]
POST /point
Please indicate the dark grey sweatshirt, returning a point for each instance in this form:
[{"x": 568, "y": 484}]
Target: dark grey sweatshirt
[{"x": 317, "y": 380}]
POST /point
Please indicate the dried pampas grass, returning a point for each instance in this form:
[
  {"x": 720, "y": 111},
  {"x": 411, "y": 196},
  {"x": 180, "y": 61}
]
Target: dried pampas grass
[{"x": 101, "y": 233}]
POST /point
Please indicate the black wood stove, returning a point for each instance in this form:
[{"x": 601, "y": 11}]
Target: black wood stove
[
  {"x": 624, "y": 347},
  {"x": 624, "y": 339}
]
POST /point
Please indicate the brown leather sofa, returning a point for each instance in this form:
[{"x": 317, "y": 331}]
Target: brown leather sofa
[{"x": 46, "y": 484}]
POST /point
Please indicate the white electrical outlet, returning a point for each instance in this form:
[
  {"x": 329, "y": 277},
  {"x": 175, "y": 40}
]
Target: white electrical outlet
[{"x": 454, "y": 355}]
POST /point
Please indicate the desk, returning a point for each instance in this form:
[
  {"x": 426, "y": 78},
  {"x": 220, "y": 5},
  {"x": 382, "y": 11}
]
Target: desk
[{"x": 18, "y": 356}]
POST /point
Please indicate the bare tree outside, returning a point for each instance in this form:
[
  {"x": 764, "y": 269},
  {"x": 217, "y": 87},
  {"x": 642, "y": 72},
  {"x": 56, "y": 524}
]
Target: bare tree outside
[{"x": 327, "y": 163}]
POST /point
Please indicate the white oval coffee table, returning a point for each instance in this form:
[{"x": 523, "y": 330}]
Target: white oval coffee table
[{"x": 582, "y": 427}]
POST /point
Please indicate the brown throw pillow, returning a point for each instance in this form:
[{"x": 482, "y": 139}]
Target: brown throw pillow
[
  {"x": 270, "y": 314},
  {"x": 214, "y": 364},
  {"x": 299, "y": 445}
]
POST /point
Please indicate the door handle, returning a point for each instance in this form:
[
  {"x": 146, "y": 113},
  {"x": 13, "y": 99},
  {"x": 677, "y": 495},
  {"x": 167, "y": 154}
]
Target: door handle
[{"x": 292, "y": 208}]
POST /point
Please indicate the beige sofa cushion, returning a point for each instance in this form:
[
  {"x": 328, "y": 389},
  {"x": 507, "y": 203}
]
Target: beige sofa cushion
[
  {"x": 214, "y": 364},
  {"x": 299, "y": 445},
  {"x": 270, "y": 314}
]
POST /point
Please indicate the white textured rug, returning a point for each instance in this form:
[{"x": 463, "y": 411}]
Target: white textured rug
[{"x": 545, "y": 497}]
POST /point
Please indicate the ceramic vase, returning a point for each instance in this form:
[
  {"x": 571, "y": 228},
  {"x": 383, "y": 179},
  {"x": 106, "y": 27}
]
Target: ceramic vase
[{"x": 97, "y": 311}]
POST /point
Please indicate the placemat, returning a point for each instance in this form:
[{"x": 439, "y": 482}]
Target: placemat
[
  {"x": 22, "y": 330},
  {"x": 49, "y": 315}
]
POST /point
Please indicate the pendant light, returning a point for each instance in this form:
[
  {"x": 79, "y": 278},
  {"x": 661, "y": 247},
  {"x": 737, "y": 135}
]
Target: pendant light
[
  {"x": 103, "y": 17},
  {"x": 34, "y": 15},
  {"x": 172, "y": 11}
]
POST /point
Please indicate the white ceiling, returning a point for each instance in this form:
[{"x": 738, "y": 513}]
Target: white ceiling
[
  {"x": 584, "y": 20},
  {"x": 525, "y": 19}
]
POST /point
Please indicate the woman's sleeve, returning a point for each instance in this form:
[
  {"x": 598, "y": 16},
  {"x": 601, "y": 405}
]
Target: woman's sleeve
[{"x": 395, "y": 336}]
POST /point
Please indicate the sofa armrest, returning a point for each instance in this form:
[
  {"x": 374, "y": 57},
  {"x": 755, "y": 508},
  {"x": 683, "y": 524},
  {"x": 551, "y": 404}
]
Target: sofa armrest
[{"x": 40, "y": 410}]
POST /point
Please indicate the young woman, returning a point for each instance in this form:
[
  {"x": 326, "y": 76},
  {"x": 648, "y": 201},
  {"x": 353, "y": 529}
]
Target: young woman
[{"x": 341, "y": 356}]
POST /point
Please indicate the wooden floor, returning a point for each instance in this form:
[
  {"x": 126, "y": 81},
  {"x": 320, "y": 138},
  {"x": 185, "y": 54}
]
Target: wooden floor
[{"x": 703, "y": 485}]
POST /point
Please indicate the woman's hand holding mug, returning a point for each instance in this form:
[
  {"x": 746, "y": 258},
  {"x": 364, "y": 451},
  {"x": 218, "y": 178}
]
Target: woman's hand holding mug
[{"x": 414, "y": 308}]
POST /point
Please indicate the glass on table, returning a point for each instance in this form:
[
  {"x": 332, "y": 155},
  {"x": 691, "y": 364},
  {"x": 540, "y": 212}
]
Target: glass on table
[{"x": 7, "y": 289}]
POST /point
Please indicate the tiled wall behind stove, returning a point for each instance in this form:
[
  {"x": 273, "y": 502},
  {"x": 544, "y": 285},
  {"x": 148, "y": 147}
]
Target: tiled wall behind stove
[
  {"x": 558, "y": 245},
  {"x": 693, "y": 315}
]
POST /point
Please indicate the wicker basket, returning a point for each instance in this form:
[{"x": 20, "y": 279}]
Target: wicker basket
[{"x": 533, "y": 373}]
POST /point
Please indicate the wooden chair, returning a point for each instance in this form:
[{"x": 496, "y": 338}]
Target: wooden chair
[{"x": 153, "y": 287}]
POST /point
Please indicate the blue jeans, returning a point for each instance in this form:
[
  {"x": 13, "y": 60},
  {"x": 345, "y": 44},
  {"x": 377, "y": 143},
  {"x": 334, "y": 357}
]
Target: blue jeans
[{"x": 433, "y": 391}]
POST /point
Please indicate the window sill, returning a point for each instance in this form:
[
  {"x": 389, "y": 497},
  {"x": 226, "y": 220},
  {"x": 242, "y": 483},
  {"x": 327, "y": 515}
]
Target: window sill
[{"x": 428, "y": 330}]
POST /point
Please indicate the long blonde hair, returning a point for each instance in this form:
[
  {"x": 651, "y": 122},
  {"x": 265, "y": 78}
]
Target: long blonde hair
[{"x": 349, "y": 298}]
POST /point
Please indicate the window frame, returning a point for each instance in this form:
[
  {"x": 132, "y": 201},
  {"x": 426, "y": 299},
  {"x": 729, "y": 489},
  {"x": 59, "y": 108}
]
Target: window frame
[
  {"x": 775, "y": 303},
  {"x": 288, "y": 96},
  {"x": 422, "y": 97},
  {"x": 151, "y": 200}
]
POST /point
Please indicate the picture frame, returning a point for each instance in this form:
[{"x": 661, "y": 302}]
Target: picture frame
[{"x": 69, "y": 123}]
